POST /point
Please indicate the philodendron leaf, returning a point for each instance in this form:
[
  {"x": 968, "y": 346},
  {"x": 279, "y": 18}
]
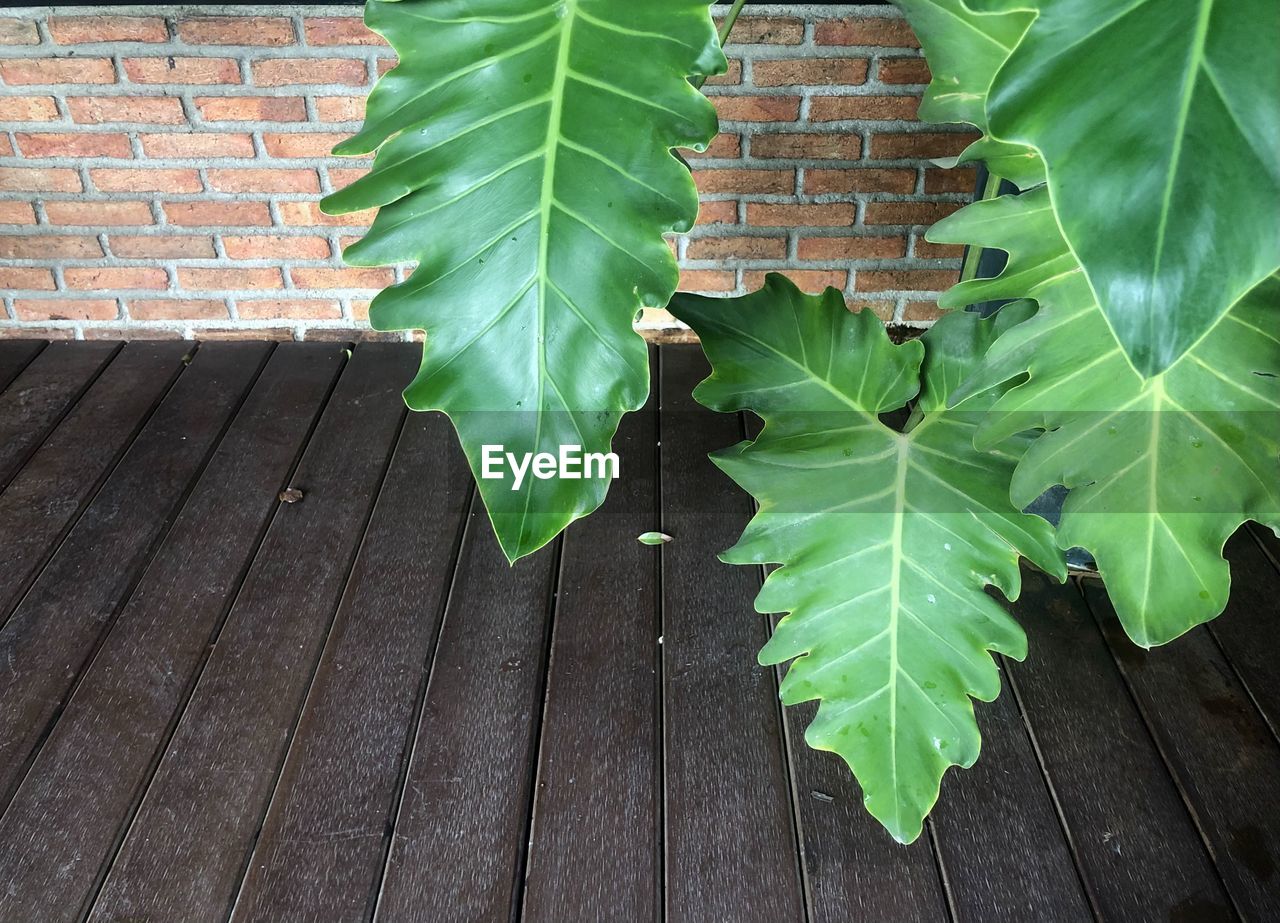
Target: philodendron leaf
[
  {"x": 886, "y": 540},
  {"x": 965, "y": 49},
  {"x": 524, "y": 163},
  {"x": 1163, "y": 468},
  {"x": 1160, "y": 123}
]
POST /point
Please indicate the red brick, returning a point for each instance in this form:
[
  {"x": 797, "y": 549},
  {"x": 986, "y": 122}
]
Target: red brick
[
  {"x": 385, "y": 64},
  {"x": 99, "y": 214},
  {"x": 236, "y": 30},
  {"x": 340, "y": 108},
  {"x": 731, "y": 77},
  {"x": 66, "y": 308},
  {"x": 44, "y": 333},
  {"x": 27, "y": 109},
  {"x": 871, "y": 108},
  {"x": 17, "y": 213},
  {"x": 287, "y": 71},
  {"x": 15, "y": 247},
  {"x": 808, "y": 280},
  {"x": 142, "y": 179},
  {"x": 217, "y": 214},
  {"x": 77, "y": 30},
  {"x": 757, "y": 108},
  {"x": 744, "y": 182},
  {"x": 28, "y": 71},
  {"x": 882, "y": 32},
  {"x": 195, "y": 145},
  {"x": 156, "y": 110},
  {"x": 290, "y": 309},
  {"x": 14, "y": 31},
  {"x": 347, "y": 277},
  {"x": 771, "y": 30},
  {"x": 274, "y": 247},
  {"x": 908, "y": 212},
  {"x": 807, "y": 146},
  {"x": 917, "y": 280},
  {"x": 18, "y": 278},
  {"x": 108, "y": 278},
  {"x": 960, "y": 179},
  {"x": 182, "y": 70},
  {"x": 39, "y": 179},
  {"x": 859, "y": 179},
  {"x": 810, "y": 72},
  {"x": 339, "y": 30},
  {"x": 221, "y": 278},
  {"x": 246, "y": 333},
  {"x": 921, "y": 311},
  {"x": 928, "y": 251},
  {"x": 74, "y": 144},
  {"x": 342, "y": 177},
  {"x": 6, "y": 147},
  {"x": 881, "y": 309},
  {"x": 308, "y": 214},
  {"x": 720, "y": 212},
  {"x": 737, "y": 248},
  {"x": 904, "y": 71},
  {"x": 722, "y": 145},
  {"x": 264, "y": 180},
  {"x": 851, "y": 248},
  {"x": 158, "y": 247},
  {"x": 301, "y": 144},
  {"x": 707, "y": 280},
  {"x": 920, "y": 145},
  {"x": 763, "y": 215},
  {"x": 251, "y": 108},
  {"x": 177, "y": 309}
]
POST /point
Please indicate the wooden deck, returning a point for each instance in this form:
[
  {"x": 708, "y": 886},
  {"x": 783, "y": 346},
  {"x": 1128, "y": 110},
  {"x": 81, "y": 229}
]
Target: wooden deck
[{"x": 217, "y": 705}]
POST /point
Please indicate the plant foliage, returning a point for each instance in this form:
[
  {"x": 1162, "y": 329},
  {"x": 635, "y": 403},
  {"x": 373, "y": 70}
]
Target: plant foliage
[
  {"x": 524, "y": 164},
  {"x": 886, "y": 539},
  {"x": 1163, "y": 468}
]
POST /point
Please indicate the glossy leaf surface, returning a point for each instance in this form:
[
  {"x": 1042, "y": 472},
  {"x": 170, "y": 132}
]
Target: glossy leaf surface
[
  {"x": 1159, "y": 121},
  {"x": 523, "y": 162},
  {"x": 1163, "y": 468},
  {"x": 886, "y": 540}
]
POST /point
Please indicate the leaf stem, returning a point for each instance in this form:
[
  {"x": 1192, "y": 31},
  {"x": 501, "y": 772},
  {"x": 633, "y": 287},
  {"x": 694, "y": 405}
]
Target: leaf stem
[
  {"x": 726, "y": 26},
  {"x": 972, "y": 254}
]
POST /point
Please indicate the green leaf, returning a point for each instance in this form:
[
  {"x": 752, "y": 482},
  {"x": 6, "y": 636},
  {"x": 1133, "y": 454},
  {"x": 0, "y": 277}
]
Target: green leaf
[
  {"x": 523, "y": 162},
  {"x": 1162, "y": 468},
  {"x": 1160, "y": 123},
  {"x": 965, "y": 49},
  {"x": 653, "y": 538},
  {"x": 886, "y": 540}
]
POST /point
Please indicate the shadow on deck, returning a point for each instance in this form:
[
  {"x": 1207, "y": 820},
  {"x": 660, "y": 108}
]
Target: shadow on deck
[{"x": 214, "y": 704}]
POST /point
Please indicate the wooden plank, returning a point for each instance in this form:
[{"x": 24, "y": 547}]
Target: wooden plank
[
  {"x": 731, "y": 850},
  {"x": 64, "y": 821},
  {"x": 1249, "y": 630},
  {"x": 56, "y": 629},
  {"x": 460, "y": 835},
  {"x": 599, "y": 794},
  {"x": 1269, "y": 541},
  {"x": 39, "y": 398},
  {"x": 43, "y": 501},
  {"x": 1139, "y": 852},
  {"x": 1218, "y": 747},
  {"x": 324, "y": 842},
  {"x": 16, "y": 355},
  {"x": 185, "y": 853},
  {"x": 997, "y": 830}
]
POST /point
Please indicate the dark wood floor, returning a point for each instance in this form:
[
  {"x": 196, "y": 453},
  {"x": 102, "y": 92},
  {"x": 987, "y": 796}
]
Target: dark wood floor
[{"x": 217, "y": 705}]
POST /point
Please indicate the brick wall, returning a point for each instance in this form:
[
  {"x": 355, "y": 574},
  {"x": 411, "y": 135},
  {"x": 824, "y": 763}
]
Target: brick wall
[{"x": 160, "y": 168}]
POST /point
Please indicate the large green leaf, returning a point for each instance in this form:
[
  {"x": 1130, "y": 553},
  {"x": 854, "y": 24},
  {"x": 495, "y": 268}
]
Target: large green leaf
[
  {"x": 1160, "y": 124},
  {"x": 523, "y": 162},
  {"x": 886, "y": 540},
  {"x": 965, "y": 49},
  {"x": 1163, "y": 468}
]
